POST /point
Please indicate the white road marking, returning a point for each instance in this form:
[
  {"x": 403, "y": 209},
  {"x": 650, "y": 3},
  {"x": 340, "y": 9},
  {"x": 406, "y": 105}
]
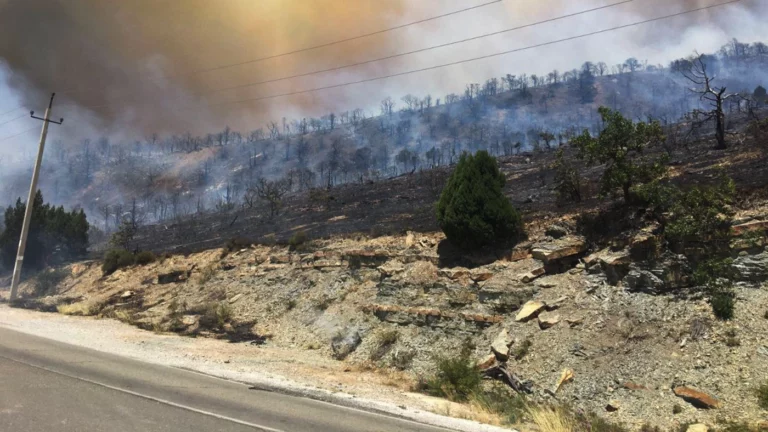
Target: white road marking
[{"x": 151, "y": 398}]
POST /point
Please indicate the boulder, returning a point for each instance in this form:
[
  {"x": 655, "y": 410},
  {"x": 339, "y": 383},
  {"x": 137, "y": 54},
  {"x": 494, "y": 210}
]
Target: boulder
[
  {"x": 127, "y": 294},
  {"x": 391, "y": 268},
  {"x": 500, "y": 346},
  {"x": 547, "y": 320},
  {"x": 669, "y": 273},
  {"x": 344, "y": 345},
  {"x": 530, "y": 310},
  {"x": 696, "y": 398}
]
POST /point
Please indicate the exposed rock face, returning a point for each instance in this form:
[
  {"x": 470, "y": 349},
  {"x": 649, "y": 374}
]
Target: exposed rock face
[
  {"x": 556, "y": 231},
  {"x": 671, "y": 272},
  {"x": 615, "y": 264},
  {"x": 696, "y": 398},
  {"x": 752, "y": 226},
  {"x": 561, "y": 254},
  {"x": 752, "y": 267}
]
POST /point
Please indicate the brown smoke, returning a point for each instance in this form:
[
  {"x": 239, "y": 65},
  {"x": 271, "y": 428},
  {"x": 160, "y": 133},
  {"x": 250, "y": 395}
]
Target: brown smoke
[{"x": 135, "y": 60}]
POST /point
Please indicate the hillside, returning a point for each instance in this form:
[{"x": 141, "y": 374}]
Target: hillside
[{"x": 169, "y": 178}]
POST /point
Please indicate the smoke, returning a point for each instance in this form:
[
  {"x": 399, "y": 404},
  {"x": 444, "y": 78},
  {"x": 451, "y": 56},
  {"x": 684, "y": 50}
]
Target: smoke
[
  {"x": 128, "y": 69},
  {"x": 135, "y": 62}
]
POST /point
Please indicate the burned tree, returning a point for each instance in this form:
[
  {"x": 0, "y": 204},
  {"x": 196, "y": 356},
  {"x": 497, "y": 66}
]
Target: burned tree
[
  {"x": 270, "y": 191},
  {"x": 714, "y": 96}
]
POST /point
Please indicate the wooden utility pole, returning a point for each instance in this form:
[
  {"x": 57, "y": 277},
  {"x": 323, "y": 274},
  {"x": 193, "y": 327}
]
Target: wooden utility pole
[{"x": 31, "y": 198}]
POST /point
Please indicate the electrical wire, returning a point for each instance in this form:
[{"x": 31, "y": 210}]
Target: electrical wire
[
  {"x": 413, "y": 71},
  {"x": 13, "y": 119},
  {"x": 20, "y": 133},
  {"x": 260, "y": 59},
  {"x": 443, "y": 45}
]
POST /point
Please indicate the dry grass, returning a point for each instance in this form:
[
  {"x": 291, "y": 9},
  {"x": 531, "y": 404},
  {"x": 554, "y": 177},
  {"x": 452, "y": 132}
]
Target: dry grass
[
  {"x": 124, "y": 316},
  {"x": 550, "y": 419},
  {"x": 206, "y": 274},
  {"x": 79, "y": 309}
]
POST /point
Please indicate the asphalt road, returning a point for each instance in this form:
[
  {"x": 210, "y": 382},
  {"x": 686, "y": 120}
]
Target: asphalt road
[{"x": 50, "y": 386}]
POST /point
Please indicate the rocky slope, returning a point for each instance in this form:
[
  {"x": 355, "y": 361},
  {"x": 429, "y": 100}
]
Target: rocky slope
[{"x": 632, "y": 343}]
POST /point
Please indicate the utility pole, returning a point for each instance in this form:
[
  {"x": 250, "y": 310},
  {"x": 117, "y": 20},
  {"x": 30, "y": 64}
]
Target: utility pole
[{"x": 31, "y": 198}]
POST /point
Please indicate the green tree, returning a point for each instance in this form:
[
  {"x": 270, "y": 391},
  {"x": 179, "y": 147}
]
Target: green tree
[
  {"x": 567, "y": 180},
  {"x": 620, "y": 146},
  {"x": 473, "y": 211},
  {"x": 52, "y": 231}
]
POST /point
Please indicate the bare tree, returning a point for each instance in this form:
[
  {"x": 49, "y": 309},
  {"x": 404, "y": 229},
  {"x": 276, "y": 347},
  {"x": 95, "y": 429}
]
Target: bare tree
[
  {"x": 387, "y": 106},
  {"x": 713, "y": 96},
  {"x": 270, "y": 191}
]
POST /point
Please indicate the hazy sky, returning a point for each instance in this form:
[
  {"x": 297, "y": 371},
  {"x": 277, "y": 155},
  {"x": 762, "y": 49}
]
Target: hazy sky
[{"x": 136, "y": 60}]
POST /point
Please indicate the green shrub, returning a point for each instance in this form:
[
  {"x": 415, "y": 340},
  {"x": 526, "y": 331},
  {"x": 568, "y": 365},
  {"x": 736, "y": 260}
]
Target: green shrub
[
  {"x": 723, "y": 303},
  {"x": 456, "y": 379},
  {"x": 473, "y": 211},
  {"x": 384, "y": 342},
  {"x": 499, "y": 399},
  {"x": 145, "y": 257},
  {"x": 47, "y": 280},
  {"x": 215, "y": 315},
  {"x": 567, "y": 180},
  {"x": 51, "y": 229},
  {"x": 297, "y": 241},
  {"x": 715, "y": 276},
  {"x": 762, "y": 395},
  {"x": 520, "y": 351},
  {"x": 117, "y": 259},
  {"x": 699, "y": 214},
  {"x": 620, "y": 146}
]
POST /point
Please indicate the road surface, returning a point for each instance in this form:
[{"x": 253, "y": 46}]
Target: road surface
[{"x": 51, "y": 386}]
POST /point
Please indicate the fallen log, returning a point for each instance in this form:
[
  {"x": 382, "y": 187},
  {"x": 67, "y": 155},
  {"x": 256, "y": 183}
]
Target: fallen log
[{"x": 500, "y": 373}]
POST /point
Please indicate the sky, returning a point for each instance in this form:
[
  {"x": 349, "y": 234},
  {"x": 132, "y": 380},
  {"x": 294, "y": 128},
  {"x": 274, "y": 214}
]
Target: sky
[{"x": 127, "y": 69}]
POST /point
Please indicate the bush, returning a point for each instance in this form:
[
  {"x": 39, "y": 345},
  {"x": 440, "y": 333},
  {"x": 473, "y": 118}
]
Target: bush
[
  {"x": 384, "y": 342},
  {"x": 297, "y": 241},
  {"x": 215, "y": 315},
  {"x": 762, "y": 396},
  {"x": 699, "y": 214},
  {"x": 456, "y": 379},
  {"x": 117, "y": 259},
  {"x": 145, "y": 257},
  {"x": 47, "y": 281},
  {"x": 715, "y": 276},
  {"x": 473, "y": 211},
  {"x": 567, "y": 180},
  {"x": 53, "y": 233},
  {"x": 500, "y": 400},
  {"x": 723, "y": 304},
  {"x": 620, "y": 147}
]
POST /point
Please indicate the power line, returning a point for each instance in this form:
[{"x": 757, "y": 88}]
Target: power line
[
  {"x": 13, "y": 119},
  {"x": 20, "y": 133},
  {"x": 231, "y": 65},
  {"x": 260, "y": 59},
  {"x": 480, "y": 57},
  {"x": 571, "y": 15},
  {"x": 549, "y": 20},
  {"x": 8, "y": 112}
]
